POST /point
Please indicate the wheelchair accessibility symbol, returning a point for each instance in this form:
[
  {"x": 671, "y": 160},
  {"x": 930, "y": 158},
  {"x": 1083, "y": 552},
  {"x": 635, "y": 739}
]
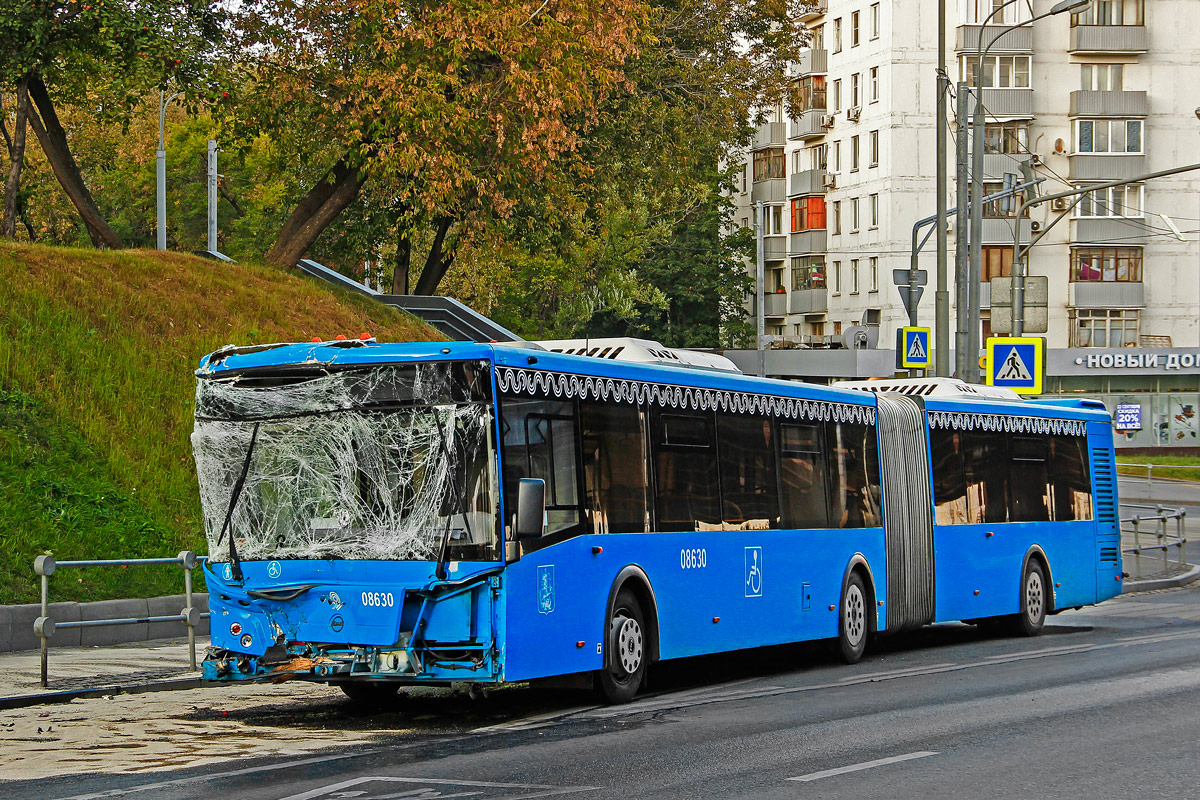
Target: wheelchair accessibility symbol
[{"x": 753, "y": 572}]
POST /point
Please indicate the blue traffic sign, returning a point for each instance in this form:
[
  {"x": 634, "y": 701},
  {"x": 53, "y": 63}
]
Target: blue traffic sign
[
  {"x": 914, "y": 348},
  {"x": 1017, "y": 363}
]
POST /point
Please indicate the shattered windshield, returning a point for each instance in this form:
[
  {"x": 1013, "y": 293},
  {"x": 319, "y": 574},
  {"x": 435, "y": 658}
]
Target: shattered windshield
[{"x": 384, "y": 462}]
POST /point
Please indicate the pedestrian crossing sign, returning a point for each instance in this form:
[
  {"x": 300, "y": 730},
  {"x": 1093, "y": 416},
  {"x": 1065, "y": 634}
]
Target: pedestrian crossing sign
[
  {"x": 1017, "y": 363},
  {"x": 913, "y": 348}
]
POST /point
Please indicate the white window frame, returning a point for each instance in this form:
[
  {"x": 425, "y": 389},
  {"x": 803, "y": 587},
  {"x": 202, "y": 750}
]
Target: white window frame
[
  {"x": 854, "y": 276},
  {"x": 875, "y": 20},
  {"x": 836, "y": 272},
  {"x": 874, "y": 149},
  {"x": 836, "y": 99},
  {"x": 854, "y": 28},
  {"x": 976, "y": 11},
  {"x": 835, "y": 225},
  {"x": 1095, "y": 126},
  {"x": 837, "y": 35},
  {"x": 1101, "y": 77},
  {"x": 854, "y": 153},
  {"x": 874, "y": 84},
  {"x": 1101, "y": 203},
  {"x": 874, "y": 207},
  {"x": 873, "y": 272},
  {"x": 855, "y": 90},
  {"x": 993, "y": 67},
  {"x": 854, "y": 219}
]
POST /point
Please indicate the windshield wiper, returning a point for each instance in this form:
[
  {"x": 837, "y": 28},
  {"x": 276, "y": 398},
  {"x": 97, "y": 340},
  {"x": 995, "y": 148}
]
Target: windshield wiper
[
  {"x": 440, "y": 571},
  {"x": 235, "y": 564}
]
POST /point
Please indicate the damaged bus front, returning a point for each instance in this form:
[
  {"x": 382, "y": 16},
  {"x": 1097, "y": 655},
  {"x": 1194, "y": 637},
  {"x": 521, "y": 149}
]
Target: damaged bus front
[{"x": 351, "y": 505}]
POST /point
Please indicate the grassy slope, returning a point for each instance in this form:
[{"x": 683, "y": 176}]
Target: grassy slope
[{"x": 96, "y": 357}]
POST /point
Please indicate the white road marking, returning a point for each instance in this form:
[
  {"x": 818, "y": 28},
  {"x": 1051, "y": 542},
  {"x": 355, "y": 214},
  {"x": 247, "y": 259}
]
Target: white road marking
[
  {"x": 534, "y": 790},
  {"x": 879, "y": 762}
]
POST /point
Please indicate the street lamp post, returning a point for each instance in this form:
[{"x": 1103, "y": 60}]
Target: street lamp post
[
  {"x": 975, "y": 257},
  {"x": 160, "y": 157}
]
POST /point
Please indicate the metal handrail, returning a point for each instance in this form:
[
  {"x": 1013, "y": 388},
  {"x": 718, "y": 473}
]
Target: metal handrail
[
  {"x": 44, "y": 626},
  {"x": 1163, "y": 539}
]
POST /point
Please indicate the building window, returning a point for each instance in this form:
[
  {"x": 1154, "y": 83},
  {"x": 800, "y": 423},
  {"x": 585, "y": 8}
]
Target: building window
[
  {"x": 999, "y": 72},
  {"x": 1101, "y": 77},
  {"x": 836, "y": 104},
  {"x": 818, "y": 37},
  {"x": 769, "y": 164},
  {"x": 837, "y": 35},
  {"x": 997, "y": 263},
  {"x": 818, "y": 156},
  {"x": 874, "y": 138},
  {"x": 837, "y": 277},
  {"x": 812, "y": 93},
  {"x": 854, "y": 276},
  {"x": 1006, "y": 13},
  {"x": 745, "y": 222},
  {"x": 1115, "y": 201},
  {"x": 743, "y": 178},
  {"x": 1108, "y": 136},
  {"x": 1004, "y": 208},
  {"x": 874, "y": 274},
  {"x": 808, "y": 213},
  {"x": 855, "y": 96},
  {"x": 1100, "y": 327},
  {"x": 1107, "y": 264},
  {"x": 774, "y": 221},
  {"x": 854, "y": 154},
  {"x": 837, "y": 156},
  {"x": 875, "y": 21},
  {"x": 1111, "y": 12},
  {"x": 854, "y": 215},
  {"x": 836, "y": 228},
  {"x": 854, "y": 29},
  {"x": 874, "y": 87},
  {"x": 808, "y": 272},
  {"x": 874, "y": 211},
  {"x": 1010, "y": 138},
  {"x": 797, "y": 161}
]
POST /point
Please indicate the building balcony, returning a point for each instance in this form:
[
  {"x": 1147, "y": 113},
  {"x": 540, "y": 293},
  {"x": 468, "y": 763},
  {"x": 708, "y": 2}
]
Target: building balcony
[
  {"x": 775, "y": 304},
  {"x": 810, "y": 181},
  {"x": 772, "y": 190},
  {"x": 811, "y": 9},
  {"x": 770, "y": 134},
  {"x": 1108, "y": 39},
  {"x": 1089, "y": 167},
  {"x": 808, "y": 301},
  {"x": 1106, "y": 294},
  {"x": 999, "y": 231},
  {"x": 995, "y": 165},
  {"x": 808, "y": 242},
  {"x": 808, "y": 125},
  {"x": 814, "y": 61},
  {"x": 775, "y": 248},
  {"x": 1110, "y": 230},
  {"x": 1108, "y": 104},
  {"x": 1006, "y": 103},
  {"x": 1017, "y": 40}
]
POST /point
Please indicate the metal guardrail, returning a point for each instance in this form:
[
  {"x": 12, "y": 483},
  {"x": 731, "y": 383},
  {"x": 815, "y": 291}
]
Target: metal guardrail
[
  {"x": 1149, "y": 471},
  {"x": 1157, "y": 525},
  {"x": 44, "y": 626}
]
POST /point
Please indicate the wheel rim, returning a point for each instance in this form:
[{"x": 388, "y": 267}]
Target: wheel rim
[
  {"x": 854, "y": 617},
  {"x": 1034, "y": 598},
  {"x": 628, "y": 646}
]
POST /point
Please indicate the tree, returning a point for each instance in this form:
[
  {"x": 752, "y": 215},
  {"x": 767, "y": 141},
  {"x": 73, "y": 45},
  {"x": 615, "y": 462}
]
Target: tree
[{"x": 65, "y": 45}]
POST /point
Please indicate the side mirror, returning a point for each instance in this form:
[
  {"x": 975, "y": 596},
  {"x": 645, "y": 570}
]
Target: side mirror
[{"x": 531, "y": 508}]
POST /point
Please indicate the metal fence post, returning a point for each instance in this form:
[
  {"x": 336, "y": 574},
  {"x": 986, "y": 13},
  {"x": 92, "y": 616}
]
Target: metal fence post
[
  {"x": 187, "y": 560},
  {"x": 43, "y": 626}
]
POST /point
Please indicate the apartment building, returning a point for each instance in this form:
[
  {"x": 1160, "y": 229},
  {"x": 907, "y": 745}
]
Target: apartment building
[{"x": 1083, "y": 98}]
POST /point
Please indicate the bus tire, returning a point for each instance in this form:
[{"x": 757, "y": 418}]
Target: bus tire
[
  {"x": 1034, "y": 600},
  {"x": 625, "y": 662},
  {"x": 366, "y": 693},
  {"x": 853, "y": 620}
]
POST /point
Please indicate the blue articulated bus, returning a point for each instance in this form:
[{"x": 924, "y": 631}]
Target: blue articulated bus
[{"x": 381, "y": 515}]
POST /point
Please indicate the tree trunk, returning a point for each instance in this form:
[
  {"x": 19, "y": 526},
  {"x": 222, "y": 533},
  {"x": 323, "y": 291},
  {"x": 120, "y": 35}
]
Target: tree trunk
[
  {"x": 16, "y": 153},
  {"x": 53, "y": 140},
  {"x": 315, "y": 211},
  {"x": 437, "y": 264},
  {"x": 403, "y": 260}
]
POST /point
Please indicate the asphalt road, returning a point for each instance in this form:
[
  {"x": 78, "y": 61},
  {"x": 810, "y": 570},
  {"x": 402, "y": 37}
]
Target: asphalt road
[{"x": 1103, "y": 705}]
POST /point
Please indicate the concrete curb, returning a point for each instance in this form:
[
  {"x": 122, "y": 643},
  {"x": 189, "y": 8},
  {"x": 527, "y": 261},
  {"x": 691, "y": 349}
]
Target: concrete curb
[
  {"x": 16, "y": 622},
  {"x": 44, "y": 698},
  {"x": 1171, "y": 582}
]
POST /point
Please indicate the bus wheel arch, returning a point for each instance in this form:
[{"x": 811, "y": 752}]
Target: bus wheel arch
[
  {"x": 630, "y": 637},
  {"x": 857, "y": 617},
  {"x": 633, "y": 578}
]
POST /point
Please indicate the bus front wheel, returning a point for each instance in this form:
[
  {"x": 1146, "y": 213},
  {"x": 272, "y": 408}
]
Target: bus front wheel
[
  {"x": 852, "y": 620},
  {"x": 622, "y": 675},
  {"x": 369, "y": 693}
]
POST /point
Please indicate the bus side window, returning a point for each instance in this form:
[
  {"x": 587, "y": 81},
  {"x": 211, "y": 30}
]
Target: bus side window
[
  {"x": 854, "y": 490},
  {"x": 985, "y": 454},
  {"x": 1071, "y": 486},
  {"x": 949, "y": 482},
  {"x": 1029, "y": 484},
  {"x": 802, "y": 476},
  {"x": 539, "y": 442},
  {"x": 749, "y": 495},
  {"x": 685, "y": 472},
  {"x": 614, "y": 467}
]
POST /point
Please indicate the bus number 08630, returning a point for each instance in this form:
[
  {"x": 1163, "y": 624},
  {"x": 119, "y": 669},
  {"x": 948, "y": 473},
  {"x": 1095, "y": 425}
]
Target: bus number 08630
[
  {"x": 693, "y": 558},
  {"x": 378, "y": 599}
]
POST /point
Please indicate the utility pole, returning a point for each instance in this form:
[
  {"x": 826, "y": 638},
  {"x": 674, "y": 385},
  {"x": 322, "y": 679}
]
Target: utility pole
[
  {"x": 975, "y": 271},
  {"x": 941, "y": 347},
  {"x": 759, "y": 291},
  {"x": 212, "y": 196},
  {"x": 160, "y": 164},
  {"x": 961, "y": 269}
]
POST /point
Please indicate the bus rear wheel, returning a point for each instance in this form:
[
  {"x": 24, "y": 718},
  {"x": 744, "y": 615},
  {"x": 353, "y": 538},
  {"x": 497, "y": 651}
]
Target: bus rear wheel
[
  {"x": 625, "y": 669},
  {"x": 1034, "y": 600},
  {"x": 852, "y": 620},
  {"x": 364, "y": 693}
]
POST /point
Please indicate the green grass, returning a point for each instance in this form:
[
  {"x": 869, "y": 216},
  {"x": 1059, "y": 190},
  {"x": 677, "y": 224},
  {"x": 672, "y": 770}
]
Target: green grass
[
  {"x": 1185, "y": 468},
  {"x": 97, "y": 351}
]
